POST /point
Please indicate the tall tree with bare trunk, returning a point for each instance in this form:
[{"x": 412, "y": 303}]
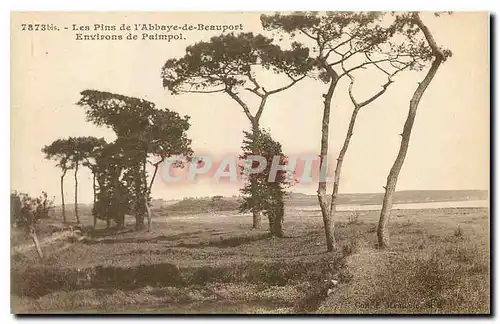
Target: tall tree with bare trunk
[
  {"x": 413, "y": 23},
  {"x": 350, "y": 130},
  {"x": 345, "y": 43},
  {"x": 89, "y": 149},
  {"x": 82, "y": 148},
  {"x": 61, "y": 150}
]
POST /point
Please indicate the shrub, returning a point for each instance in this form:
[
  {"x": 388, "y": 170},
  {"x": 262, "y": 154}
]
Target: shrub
[
  {"x": 26, "y": 211},
  {"x": 458, "y": 232},
  {"x": 351, "y": 247},
  {"x": 353, "y": 217},
  {"x": 35, "y": 281}
]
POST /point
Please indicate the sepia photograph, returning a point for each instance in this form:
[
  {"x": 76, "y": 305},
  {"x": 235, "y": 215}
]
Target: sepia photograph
[{"x": 275, "y": 163}]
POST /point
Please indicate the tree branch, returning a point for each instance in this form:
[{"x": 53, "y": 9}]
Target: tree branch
[
  {"x": 261, "y": 107},
  {"x": 372, "y": 98},
  {"x": 201, "y": 91},
  {"x": 254, "y": 91},
  {"x": 362, "y": 65},
  {"x": 308, "y": 35},
  {"x": 334, "y": 49},
  {"x": 378, "y": 94},
  {"x": 285, "y": 87},
  {"x": 256, "y": 84},
  {"x": 243, "y": 105},
  {"x": 438, "y": 53},
  {"x": 376, "y": 65},
  {"x": 344, "y": 56}
]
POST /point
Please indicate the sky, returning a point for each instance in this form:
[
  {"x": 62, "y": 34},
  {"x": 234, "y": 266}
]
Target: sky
[{"x": 449, "y": 146}]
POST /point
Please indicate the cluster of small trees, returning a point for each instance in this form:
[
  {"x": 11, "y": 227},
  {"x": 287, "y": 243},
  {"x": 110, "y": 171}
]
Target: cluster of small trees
[
  {"x": 145, "y": 135},
  {"x": 70, "y": 154},
  {"x": 325, "y": 47}
]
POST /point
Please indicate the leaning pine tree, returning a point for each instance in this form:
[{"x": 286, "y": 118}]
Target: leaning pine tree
[
  {"x": 270, "y": 193},
  {"x": 410, "y": 23}
]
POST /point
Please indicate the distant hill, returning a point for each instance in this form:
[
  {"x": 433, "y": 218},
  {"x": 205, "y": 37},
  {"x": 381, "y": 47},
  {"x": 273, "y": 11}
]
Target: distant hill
[{"x": 200, "y": 205}]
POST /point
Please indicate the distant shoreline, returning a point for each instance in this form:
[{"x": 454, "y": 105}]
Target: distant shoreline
[
  {"x": 409, "y": 206},
  {"x": 301, "y": 199}
]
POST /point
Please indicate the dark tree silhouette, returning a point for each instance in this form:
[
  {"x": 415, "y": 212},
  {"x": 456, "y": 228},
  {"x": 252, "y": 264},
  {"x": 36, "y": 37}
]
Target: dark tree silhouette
[
  {"x": 113, "y": 199},
  {"x": 15, "y": 208},
  {"x": 227, "y": 64},
  {"x": 145, "y": 134},
  {"x": 269, "y": 195}
]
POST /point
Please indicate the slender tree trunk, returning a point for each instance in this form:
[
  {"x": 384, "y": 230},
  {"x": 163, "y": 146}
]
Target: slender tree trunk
[
  {"x": 147, "y": 193},
  {"x": 139, "y": 215},
  {"x": 392, "y": 178},
  {"x": 76, "y": 194},
  {"x": 139, "y": 221},
  {"x": 121, "y": 221},
  {"x": 327, "y": 220},
  {"x": 347, "y": 139},
  {"x": 140, "y": 189},
  {"x": 156, "y": 165},
  {"x": 256, "y": 212},
  {"x": 278, "y": 231},
  {"x": 150, "y": 187},
  {"x": 34, "y": 237},
  {"x": 62, "y": 196},
  {"x": 148, "y": 215},
  {"x": 271, "y": 218},
  {"x": 278, "y": 222},
  {"x": 340, "y": 160},
  {"x": 94, "y": 201}
]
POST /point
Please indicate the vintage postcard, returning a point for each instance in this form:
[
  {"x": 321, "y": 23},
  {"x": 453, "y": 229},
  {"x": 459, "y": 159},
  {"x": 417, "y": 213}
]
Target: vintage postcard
[{"x": 250, "y": 163}]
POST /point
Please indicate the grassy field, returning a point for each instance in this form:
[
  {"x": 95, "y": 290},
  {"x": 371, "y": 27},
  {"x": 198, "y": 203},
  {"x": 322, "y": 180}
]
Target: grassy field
[{"x": 212, "y": 261}]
